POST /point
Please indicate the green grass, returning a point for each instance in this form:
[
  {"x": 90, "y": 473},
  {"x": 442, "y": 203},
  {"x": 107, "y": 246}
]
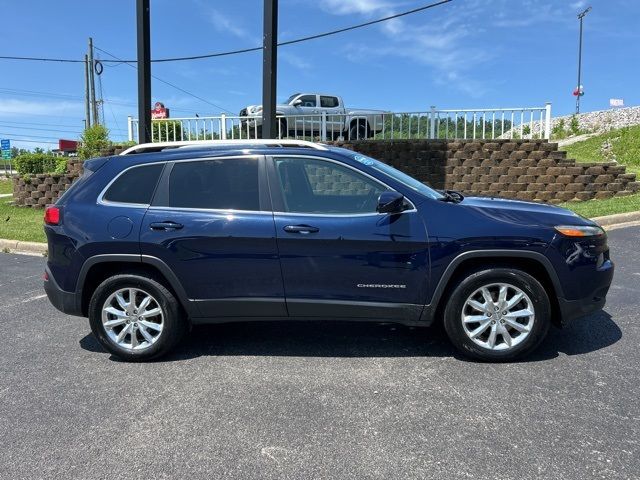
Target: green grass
[
  {"x": 6, "y": 186},
  {"x": 20, "y": 223},
  {"x": 599, "y": 208},
  {"x": 626, "y": 148}
]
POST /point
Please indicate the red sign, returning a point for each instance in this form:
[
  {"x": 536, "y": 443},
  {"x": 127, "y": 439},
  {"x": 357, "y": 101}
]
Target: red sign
[
  {"x": 67, "y": 145},
  {"x": 159, "y": 111}
]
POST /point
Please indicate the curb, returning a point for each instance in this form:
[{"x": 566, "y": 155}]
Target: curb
[
  {"x": 36, "y": 248},
  {"x": 30, "y": 248},
  {"x": 610, "y": 220}
]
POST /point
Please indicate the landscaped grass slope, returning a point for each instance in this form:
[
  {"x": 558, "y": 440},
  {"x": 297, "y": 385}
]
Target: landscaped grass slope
[
  {"x": 625, "y": 145},
  {"x": 6, "y": 186},
  {"x": 17, "y": 223}
]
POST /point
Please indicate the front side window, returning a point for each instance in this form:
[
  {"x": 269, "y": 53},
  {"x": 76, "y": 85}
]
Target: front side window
[
  {"x": 135, "y": 186},
  {"x": 323, "y": 187},
  {"x": 221, "y": 184},
  {"x": 308, "y": 101}
]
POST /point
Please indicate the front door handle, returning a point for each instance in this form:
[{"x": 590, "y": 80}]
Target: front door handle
[
  {"x": 304, "y": 229},
  {"x": 165, "y": 226}
]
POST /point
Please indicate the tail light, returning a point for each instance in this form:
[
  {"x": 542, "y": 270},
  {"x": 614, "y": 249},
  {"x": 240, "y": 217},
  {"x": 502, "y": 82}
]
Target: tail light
[{"x": 52, "y": 215}]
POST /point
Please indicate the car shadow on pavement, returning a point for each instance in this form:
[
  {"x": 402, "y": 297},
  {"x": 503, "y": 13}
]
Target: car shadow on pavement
[
  {"x": 584, "y": 335},
  {"x": 354, "y": 339}
]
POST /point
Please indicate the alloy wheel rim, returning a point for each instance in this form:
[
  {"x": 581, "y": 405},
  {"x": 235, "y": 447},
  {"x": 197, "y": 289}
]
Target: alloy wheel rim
[
  {"x": 498, "y": 316},
  {"x": 132, "y": 318}
]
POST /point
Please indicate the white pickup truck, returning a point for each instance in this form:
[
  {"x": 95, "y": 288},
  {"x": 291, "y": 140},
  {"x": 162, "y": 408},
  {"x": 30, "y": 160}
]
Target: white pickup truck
[{"x": 309, "y": 114}]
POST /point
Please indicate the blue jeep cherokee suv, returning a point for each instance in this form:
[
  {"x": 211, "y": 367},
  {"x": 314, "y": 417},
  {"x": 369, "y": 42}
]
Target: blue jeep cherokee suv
[{"x": 147, "y": 243}]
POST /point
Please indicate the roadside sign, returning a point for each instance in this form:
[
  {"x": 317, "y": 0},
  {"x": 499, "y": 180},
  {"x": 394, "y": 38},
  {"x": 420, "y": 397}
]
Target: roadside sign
[{"x": 5, "y": 146}]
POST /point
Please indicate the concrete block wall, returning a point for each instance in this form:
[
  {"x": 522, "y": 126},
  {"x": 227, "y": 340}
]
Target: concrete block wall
[
  {"x": 40, "y": 190},
  {"x": 518, "y": 169}
]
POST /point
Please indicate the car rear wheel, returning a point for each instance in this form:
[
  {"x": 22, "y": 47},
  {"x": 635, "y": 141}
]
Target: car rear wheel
[
  {"x": 135, "y": 318},
  {"x": 497, "y": 314},
  {"x": 358, "y": 131}
]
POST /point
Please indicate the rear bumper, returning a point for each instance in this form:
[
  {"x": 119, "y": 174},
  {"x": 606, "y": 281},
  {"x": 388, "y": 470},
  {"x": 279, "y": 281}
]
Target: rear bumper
[
  {"x": 595, "y": 300},
  {"x": 66, "y": 302}
]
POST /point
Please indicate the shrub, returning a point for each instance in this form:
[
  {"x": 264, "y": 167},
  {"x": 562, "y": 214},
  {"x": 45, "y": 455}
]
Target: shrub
[
  {"x": 34, "y": 163},
  {"x": 93, "y": 140},
  {"x": 574, "y": 125},
  {"x": 559, "y": 131},
  {"x": 166, "y": 130}
]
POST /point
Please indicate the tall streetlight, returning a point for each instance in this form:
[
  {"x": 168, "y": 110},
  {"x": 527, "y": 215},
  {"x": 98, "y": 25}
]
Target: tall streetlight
[{"x": 578, "y": 91}]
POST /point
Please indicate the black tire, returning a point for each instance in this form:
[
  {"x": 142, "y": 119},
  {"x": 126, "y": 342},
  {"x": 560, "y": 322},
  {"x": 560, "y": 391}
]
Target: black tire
[
  {"x": 465, "y": 287},
  {"x": 358, "y": 131},
  {"x": 174, "y": 322}
]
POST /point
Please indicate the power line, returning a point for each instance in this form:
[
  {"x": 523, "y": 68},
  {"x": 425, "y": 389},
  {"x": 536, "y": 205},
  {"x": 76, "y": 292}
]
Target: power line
[
  {"x": 243, "y": 50},
  {"x": 167, "y": 83},
  {"x": 4, "y": 135},
  {"x": 34, "y": 93},
  {"x": 3, "y": 125},
  {"x": 31, "y": 141},
  {"x": 36, "y": 123},
  {"x": 310, "y": 37}
]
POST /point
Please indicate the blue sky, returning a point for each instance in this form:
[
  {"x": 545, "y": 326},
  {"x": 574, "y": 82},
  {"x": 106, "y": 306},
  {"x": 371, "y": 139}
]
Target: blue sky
[{"x": 465, "y": 54}]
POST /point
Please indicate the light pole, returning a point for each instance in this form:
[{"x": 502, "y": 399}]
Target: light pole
[{"x": 578, "y": 90}]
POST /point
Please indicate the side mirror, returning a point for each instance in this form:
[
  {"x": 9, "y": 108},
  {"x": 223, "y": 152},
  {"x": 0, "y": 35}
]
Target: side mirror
[
  {"x": 297, "y": 102},
  {"x": 390, "y": 202}
]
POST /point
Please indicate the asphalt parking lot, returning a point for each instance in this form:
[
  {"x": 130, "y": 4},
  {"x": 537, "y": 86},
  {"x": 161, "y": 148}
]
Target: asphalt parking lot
[{"x": 320, "y": 400}]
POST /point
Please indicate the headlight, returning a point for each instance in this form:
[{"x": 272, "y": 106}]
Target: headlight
[{"x": 579, "y": 230}]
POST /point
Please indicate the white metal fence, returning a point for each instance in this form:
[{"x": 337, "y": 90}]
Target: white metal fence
[{"x": 483, "y": 123}]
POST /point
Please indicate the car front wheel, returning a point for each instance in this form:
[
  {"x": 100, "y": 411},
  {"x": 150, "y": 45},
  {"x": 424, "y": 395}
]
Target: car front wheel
[
  {"x": 135, "y": 318},
  {"x": 497, "y": 314}
]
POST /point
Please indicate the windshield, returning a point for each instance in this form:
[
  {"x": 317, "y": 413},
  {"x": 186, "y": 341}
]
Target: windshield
[
  {"x": 397, "y": 175},
  {"x": 289, "y": 99}
]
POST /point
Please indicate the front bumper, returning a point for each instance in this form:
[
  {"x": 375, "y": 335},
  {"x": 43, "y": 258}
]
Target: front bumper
[
  {"x": 573, "y": 309},
  {"x": 66, "y": 302}
]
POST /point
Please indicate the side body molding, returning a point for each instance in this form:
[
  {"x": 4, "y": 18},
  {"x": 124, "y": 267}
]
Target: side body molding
[{"x": 428, "y": 313}]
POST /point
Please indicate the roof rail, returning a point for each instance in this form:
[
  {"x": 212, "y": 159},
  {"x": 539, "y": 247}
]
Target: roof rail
[{"x": 160, "y": 146}]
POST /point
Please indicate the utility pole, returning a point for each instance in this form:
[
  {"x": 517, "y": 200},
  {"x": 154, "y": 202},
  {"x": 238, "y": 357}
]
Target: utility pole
[
  {"x": 87, "y": 94},
  {"x": 144, "y": 71},
  {"x": 269, "y": 69},
  {"x": 92, "y": 82},
  {"x": 580, "y": 17}
]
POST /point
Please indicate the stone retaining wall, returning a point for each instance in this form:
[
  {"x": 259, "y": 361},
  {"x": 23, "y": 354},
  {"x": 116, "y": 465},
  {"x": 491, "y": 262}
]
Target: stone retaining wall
[
  {"x": 520, "y": 169},
  {"x": 40, "y": 190}
]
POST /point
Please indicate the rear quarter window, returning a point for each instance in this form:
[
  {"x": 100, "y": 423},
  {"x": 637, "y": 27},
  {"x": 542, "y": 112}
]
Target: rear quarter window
[{"x": 135, "y": 185}]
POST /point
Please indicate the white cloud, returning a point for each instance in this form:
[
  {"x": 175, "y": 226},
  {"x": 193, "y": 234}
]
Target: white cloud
[
  {"x": 294, "y": 60},
  {"x": 349, "y": 7},
  {"x": 579, "y": 4},
  {"x": 222, "y": 23},
  {"x": 449, "y": 37},
  {"x": 16, "y": 107}
]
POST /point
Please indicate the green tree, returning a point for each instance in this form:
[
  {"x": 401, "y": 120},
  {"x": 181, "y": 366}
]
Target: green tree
[{"x": 93, "y": 140}]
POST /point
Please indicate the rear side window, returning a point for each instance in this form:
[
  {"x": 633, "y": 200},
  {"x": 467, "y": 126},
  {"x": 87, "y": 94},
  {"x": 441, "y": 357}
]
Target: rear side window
[
  {"x": 328, "y": 102},
  {"x": 135, "y": 185},
  {"x": 221, "y": 184}
]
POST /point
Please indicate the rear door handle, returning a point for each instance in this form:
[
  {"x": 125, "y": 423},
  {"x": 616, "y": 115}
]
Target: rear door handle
[
  {"x": 166, "y": 226},
  {"x": 304, "y": 229}
]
